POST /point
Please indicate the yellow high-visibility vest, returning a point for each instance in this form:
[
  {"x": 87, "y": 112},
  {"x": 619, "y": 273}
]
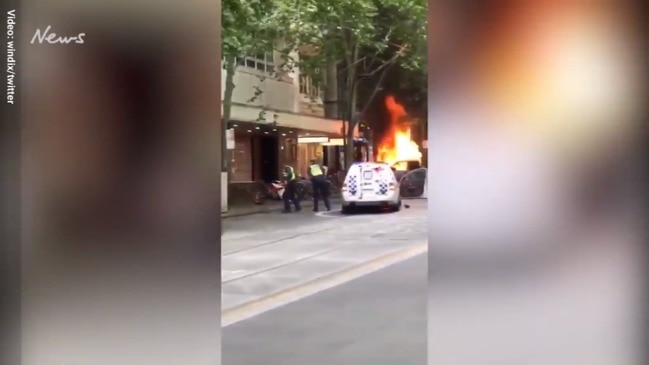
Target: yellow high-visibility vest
[{"x": 315, "y": 170}]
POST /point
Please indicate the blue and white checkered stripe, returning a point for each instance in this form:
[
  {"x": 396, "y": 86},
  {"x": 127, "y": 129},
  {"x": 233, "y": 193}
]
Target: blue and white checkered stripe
[
  {"x": 382, "y": 188},
  {"x": 352, "y": 185}
]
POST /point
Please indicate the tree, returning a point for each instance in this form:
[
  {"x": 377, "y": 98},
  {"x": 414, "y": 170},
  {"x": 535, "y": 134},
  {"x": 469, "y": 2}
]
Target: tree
[{"x": 365, "y": 37}]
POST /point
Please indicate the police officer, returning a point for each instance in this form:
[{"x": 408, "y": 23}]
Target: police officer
[
  {"x": 289, "y": 191},
  {"x": 320, "y": 185}
]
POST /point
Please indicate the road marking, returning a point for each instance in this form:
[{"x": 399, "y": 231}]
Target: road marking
[
  {"x": 254, "y": 308},
  {"x": 330, "y": 214},
  {"x": 281, "y": 239}
]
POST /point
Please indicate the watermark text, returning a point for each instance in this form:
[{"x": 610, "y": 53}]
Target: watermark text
[
  {"x": 11, "y": 57},
  {"x": 50, "y": 37}
]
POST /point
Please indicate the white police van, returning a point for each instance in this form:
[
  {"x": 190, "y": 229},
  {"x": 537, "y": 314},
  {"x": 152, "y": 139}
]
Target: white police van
[{"x": 370, "y": 184}]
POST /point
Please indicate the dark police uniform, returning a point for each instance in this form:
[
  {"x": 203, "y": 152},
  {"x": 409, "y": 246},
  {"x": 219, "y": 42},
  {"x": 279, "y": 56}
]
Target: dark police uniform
[
  {"x": 320, "y": 186},
  {"x": 289, "y": 193}
]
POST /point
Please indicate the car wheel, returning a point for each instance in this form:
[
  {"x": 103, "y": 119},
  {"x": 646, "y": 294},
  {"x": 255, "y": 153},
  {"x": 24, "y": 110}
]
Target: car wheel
[
  {"x": 397, "y": 207},
  {"x": 347, "y": 210}
]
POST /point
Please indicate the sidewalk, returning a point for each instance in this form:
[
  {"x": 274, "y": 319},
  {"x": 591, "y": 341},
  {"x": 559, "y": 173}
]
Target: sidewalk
[{"x": 270, "y": 207}]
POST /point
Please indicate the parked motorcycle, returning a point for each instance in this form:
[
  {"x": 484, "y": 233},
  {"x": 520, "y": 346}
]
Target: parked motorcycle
[
  {"x": 275, "y": 191},
  {"x": 269, "y": 191}
]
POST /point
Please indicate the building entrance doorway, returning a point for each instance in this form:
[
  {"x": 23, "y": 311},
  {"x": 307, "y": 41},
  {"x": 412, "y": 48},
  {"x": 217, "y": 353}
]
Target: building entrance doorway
[{"x": 268, "y": 159}]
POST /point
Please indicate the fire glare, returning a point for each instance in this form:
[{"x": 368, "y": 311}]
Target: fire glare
[{"x": 397, "y": 145}]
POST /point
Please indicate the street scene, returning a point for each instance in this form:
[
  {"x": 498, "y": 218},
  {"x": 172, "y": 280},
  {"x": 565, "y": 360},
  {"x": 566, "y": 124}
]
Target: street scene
[{"x": 324, "y": 182}]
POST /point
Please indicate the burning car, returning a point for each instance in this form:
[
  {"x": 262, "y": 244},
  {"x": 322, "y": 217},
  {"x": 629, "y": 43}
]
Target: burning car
[
  {"x": 401, "y": 168},
  {"x": 397, "y": 148}
]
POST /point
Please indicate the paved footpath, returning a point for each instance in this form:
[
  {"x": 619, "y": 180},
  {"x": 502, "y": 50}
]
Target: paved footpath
[{"x": 273, "y": 259}]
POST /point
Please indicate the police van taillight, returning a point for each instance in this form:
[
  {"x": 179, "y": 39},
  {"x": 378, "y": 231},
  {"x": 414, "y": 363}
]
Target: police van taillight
[{"x": 344, "y": 188}]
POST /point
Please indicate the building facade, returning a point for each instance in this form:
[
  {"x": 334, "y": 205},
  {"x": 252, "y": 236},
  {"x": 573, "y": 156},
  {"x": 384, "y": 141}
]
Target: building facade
[{"x": 277, "y": 119}]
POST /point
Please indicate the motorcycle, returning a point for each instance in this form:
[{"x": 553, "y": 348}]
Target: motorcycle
[
  {"x": 275, "y": 191},
  {"x": 270, "y": 191}
]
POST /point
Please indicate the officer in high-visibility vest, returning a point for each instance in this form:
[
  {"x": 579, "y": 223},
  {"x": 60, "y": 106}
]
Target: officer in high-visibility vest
[
  {"x": 289, "y": 192},
  {"x": 320, "y": 185}
]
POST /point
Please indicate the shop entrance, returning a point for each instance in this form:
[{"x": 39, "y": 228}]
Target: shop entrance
[{"x": 268, "y": 158}]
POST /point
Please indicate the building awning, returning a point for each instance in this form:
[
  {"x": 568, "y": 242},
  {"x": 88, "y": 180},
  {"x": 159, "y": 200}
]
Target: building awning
[
  {"x": 288, "y": 120},
  {"x": 341, "y": 142},
  {"x": 313, "y": 139}
]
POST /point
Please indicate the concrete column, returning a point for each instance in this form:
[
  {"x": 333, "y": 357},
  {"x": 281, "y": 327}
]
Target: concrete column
[{"x": 224, "y": 193}]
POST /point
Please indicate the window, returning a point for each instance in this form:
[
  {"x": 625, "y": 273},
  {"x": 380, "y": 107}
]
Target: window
[
  {"x": 261, "y": 62},
  {"x": 309, "y": 88},
  {"x": 418, "y": 175}
]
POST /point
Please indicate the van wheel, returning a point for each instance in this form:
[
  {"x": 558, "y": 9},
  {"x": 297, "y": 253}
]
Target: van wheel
[
  {"x": 346, "y": 210},
  {"x": 397, "y": 207}
]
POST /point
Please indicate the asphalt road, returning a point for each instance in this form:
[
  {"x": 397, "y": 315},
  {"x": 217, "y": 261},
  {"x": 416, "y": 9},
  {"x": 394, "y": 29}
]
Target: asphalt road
[{"x": 376, "y": 319}]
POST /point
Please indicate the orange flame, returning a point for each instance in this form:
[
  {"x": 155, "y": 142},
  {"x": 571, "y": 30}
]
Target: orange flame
[{"x": 397, "y": 145}]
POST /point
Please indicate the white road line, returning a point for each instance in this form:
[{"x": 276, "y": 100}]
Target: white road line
[{"x": 328, "y": 214}]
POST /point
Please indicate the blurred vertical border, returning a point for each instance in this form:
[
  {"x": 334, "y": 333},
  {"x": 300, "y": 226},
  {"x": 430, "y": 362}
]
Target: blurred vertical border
[
  {"x": 121, "y": 166},
  {"x": 10, "y": 192},
  {"x": 577, "y": 86}
]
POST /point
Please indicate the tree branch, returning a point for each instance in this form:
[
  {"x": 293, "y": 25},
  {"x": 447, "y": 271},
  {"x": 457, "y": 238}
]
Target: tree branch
[
  {"x": 347, "y": 44},
  {"x": 376, "y": 90},
  {"x": 353, "y": 77},
  {"x": 386, "y": 40},
  {"x": 351, "y": 65},
  {"x": 388, "y": 62}
]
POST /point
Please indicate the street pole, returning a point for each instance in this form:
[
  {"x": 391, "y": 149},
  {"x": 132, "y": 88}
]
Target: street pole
[
  {"x": 342, "y": 112},
  {"x": 370, "y": 152},
  {"x": 225, "y": 168},
  {"x": 424, "y": 137}
]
